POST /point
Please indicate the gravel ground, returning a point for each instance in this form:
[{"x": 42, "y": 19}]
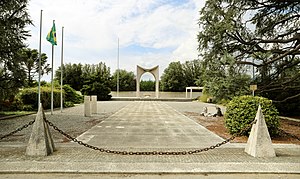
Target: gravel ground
[{"x": 70, "y": 121}]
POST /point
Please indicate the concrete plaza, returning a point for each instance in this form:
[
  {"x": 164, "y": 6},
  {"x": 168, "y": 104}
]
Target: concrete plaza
[{"x": 149, "y": 126}]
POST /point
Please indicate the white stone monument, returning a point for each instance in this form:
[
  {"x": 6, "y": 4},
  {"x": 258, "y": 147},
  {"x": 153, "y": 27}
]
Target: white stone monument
[
  {"x": 40, "y": 142},
  {"x": 154, "y": 71},
  {"x": 259, "y": 143}
]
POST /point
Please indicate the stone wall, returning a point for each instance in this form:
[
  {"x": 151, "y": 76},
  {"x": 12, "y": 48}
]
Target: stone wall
[{"x": 151, "y": 94}]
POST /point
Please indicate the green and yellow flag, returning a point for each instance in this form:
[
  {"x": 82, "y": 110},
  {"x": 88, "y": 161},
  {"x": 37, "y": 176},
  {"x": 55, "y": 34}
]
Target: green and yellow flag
[{"x": 51, "y": 37}]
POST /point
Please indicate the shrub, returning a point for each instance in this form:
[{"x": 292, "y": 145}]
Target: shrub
[
  {"x": 68, "y": 104},
  {"x": 71, "y": 95},
  {"x": 29, "y": 96},
  {"x": 98, "y": 89},
  {"x": 241, "y": 111}
]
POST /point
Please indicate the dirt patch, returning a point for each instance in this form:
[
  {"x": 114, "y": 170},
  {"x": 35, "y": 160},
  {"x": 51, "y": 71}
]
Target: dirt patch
[{"x": 217, "y": 125}]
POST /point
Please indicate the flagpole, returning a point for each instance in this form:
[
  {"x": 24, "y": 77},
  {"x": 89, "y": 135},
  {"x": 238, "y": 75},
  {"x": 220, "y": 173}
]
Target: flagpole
[
  {"x": 40, "y": 51},
  {"x": 52, "y": 77},
  {"x": 118, "y": 70},
  {"x": 61, "y": 69}
]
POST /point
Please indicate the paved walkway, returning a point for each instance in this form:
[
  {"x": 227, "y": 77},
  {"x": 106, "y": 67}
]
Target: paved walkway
[
  {"x": 145, "y": 124},
  {"x": 149, "y": 126}
]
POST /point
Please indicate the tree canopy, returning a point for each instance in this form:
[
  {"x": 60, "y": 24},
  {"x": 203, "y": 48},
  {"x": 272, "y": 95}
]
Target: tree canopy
[
  {"x": 30, "y": 63},
  {"x": 126, "y": 81},
  {"x": 264, "y": 34},
  {"x": 177, "y": 76},
  {"x": 13, "y": 21}
]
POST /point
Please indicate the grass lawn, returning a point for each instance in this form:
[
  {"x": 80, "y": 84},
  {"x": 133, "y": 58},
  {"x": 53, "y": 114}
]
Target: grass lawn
[{"x": 11, "y": 113}]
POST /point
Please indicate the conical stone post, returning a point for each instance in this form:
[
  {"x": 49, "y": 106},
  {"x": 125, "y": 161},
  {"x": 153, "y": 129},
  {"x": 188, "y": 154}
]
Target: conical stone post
[
  {"x": 40, "y": 142},
  {"x": 259, "y": 143}
]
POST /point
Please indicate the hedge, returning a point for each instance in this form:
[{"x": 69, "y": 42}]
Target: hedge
[{"x": 29, "y": 97}]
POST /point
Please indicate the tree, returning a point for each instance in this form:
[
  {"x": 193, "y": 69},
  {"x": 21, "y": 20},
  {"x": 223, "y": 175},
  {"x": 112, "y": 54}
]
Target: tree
[
  {"x": 193, "y": 71},
  {"x": 72, "y": 75},
  {"x": 147, "y": 85},
  {"x": 126, "y": 81},
  {"x": 173, "y": 78},
  {"x": 97, "y": 81},
  {"x": 226, "y": 79},
  {"x": 264, "y": 34},
  {"x": 13, "y": 20},
  {"x": 30, "y": 62}
]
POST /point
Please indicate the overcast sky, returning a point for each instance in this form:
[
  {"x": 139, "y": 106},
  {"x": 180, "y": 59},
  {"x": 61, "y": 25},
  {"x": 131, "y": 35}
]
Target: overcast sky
[{"x": 150, "y": 32}]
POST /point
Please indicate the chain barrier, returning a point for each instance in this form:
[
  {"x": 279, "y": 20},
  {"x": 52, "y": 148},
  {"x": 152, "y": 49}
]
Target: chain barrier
[
  {"x": 144, "y": 153},
  {"x": 18, "y": 130},
  {"x": 151, "y": 152}
]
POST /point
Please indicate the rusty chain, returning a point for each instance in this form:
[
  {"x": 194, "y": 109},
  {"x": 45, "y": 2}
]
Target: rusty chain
[
  {"x": 18, "y": 130},
  {"x": 152, "y": 152}
]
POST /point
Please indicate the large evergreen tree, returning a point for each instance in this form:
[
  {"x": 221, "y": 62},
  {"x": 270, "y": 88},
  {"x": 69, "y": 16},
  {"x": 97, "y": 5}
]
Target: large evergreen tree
[
  {"x": 30, "y": 62},
  {"x": 13, "y": 20},
  {"x": 264, "y": 34}
]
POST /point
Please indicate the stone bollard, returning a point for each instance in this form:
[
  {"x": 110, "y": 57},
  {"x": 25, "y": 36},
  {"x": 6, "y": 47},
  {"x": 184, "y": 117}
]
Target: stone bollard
[
  {"x": 87, "y": 106},
  {"x": 40, "y": 142},
  {"x": 94, "y": 104},
  {"x": 259, "y": 143}
]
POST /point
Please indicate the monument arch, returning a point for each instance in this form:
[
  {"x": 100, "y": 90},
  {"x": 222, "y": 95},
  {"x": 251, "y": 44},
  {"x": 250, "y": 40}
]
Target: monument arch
[{"x": 154, "y": 71}]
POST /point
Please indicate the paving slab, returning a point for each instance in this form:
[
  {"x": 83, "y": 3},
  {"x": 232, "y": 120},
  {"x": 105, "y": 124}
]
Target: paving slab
[
  {"x": 144, "y": 124},
  {"x": 149, "y": 126}
]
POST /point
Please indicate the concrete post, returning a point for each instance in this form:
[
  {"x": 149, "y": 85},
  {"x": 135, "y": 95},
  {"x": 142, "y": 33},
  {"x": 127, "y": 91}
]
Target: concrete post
[
  {"x": 40, "y": 142},
  {"x": 94, "y": 104},
  {"x": 87, "y": 106},
  {"x": 259, "y": 143}
]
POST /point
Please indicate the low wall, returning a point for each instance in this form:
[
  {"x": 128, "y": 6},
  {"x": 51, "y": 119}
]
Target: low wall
[{"x": 151, "y": 94}]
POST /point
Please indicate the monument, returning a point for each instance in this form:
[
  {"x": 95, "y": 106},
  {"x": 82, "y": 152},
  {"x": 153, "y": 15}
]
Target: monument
[{"x": 154, "y": 71}]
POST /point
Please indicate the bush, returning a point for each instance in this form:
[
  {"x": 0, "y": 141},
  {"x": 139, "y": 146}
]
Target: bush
[
  {"x": 68, "y": 104},
  {"x": 71, "y": 95},
  {"x": 29, "y": 96},
  {"x": 98, "y": 89},
  {"x": 241, "y": 111}
]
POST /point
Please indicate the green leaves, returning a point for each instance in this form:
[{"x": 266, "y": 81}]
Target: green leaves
[{"x": 241, "y": 111}]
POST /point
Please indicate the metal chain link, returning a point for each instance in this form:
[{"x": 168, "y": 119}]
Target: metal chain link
[
  {"x": 18, "y": 130},
  {"x": 152, "y": 152}
]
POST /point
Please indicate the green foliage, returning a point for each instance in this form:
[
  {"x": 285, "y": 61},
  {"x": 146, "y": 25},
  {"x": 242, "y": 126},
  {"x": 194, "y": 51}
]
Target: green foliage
[
  {"x": 241, "y": 111},
  {"x": 127, "y": 81},
  {"x": 225, "y": 79},
  {"x": 260, "y": 34},
  {"x": 98, "y": 89},
  {"x": 147, "y": 85},
  {"x": 29, "y": 97},
  {"x": 30, "y": 63},
  {"x": 71, "y": 95},
  {"x": 13, "y": 20},
  {"x": 68, "y": 104},
  {"x": 193, "y": 73},
  {"x": 72, "y": 75},
  {"x": 89, "y": 79},
  {"x": 96, "y": 81},
  {"x": 173, "y": 78},
  {"x": 177, "y": 76}
]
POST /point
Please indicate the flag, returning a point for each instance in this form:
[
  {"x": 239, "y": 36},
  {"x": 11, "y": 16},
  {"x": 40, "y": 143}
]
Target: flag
[{"x": 51, "y": 37}]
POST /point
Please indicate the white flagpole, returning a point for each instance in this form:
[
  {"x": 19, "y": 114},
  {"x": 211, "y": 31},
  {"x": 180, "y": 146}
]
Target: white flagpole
[
  {"x": 40, "y": 51},
  {"x": 61, "y": 70},
  {"x": 52, "y": 77},
  {"x": 118, "y": 70}
]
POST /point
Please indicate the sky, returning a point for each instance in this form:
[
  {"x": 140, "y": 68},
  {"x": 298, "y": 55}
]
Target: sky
[{"x": 150, "y": 32}]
